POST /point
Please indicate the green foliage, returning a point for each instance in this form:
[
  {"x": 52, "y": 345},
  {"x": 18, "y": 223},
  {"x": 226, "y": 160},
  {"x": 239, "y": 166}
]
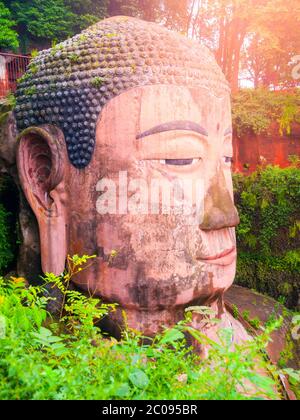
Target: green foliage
[
  {"x": 8, "y": 36},
  {"x": 9, "y": 101},
  {"x": 294, "y": 377},
  {"x": 7, "y": 222},
  {"x": 288, "y": 353},
  {"x": 268, "y": 235},
  {"x": 44, "y": 18},
  {"x": 23, "y": 78},
  {"x": 33, "y": 67},
  {"x": 7, "y": 104},
  {"x": 235, "y": 312},
  {"x": 294, "y": 161},
  {"x": 34, "y": 53},
  {"x": 254, "y": 111},
  {"x": 30, "y": 91},
  {"x": 71, "y": 359},
  {"x": 74, "y": 58},
  {"x": 86, "y": 8},
  {"x": 255, "y": 322},
  {"x": 77, "y": 309},
  {"x": 53, "y": 19},
  {"x": 6, "y": 254}
]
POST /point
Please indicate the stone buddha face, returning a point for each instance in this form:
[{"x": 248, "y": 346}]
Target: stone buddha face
[
  {"x": 149, "y": 263},
  {"x": 154, "y": 259}
]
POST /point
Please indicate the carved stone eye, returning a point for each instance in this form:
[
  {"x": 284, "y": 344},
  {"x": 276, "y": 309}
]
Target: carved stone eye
[
  {"x": 177, "y": 162},
  {"x": 228, "y": 160}
]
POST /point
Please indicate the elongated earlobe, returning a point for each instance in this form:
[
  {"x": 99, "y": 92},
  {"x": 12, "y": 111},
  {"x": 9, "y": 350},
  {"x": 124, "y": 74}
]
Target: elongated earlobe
[{"x": 41, "y": 159}]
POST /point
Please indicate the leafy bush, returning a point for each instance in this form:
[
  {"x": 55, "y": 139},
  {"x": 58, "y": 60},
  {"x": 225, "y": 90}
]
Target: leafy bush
[
  {"x": 8, "y": 237},
  {"x": 6, "y": 254},
  {"x": 8, "y": 35},
  {"x": 41, "y": 358},
  {"x": 269, "y": 233}
]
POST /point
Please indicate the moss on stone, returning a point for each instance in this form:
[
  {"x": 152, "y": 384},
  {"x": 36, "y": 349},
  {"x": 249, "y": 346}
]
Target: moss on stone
[{"x": 269, "y": 264}]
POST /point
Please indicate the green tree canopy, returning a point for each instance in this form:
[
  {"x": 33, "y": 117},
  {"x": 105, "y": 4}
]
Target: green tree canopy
[
  {"x": 43, "y": 21},
  {"x": 8, "y": 36},
  {"x": 268, "y": 54},
  {"x": 87, "y": 12},
  {"x": 44, "y": 18}
]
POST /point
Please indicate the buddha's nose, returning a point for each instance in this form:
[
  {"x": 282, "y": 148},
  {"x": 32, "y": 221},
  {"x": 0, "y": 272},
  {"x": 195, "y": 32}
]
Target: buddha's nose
[{"x": 219, "y": 209}]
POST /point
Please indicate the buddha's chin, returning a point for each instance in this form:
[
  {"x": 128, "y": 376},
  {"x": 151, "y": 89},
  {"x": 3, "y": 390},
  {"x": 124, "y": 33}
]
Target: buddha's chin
[
  {"x": 153, "y": 304},
  {"x": 222, "y": 275},
  {"x": 142, "y": 287}
]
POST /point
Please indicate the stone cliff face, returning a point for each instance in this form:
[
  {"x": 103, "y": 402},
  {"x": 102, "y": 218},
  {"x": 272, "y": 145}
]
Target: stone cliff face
[{"x": 270, "y": 148}]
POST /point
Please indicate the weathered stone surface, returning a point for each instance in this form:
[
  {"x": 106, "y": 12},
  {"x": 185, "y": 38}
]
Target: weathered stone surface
[
  {"x": 29, "y": 257},
  {"x": 283, "y": 348},
  {"x": 8, "y": 136},
  {"x": 271, "y": 148}
]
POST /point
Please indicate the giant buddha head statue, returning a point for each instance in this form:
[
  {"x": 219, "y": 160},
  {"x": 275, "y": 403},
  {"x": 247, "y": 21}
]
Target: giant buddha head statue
[{"x": 108, "y": 120}]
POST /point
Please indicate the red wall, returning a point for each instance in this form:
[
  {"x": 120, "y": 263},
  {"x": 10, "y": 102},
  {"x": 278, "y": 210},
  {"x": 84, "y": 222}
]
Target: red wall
[{"x": 273, "y": 148}]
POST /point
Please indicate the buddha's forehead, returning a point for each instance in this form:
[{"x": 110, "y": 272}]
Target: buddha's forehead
[
  {"x": 162, "y": 104},
  {"x": 140, "y": 109}
]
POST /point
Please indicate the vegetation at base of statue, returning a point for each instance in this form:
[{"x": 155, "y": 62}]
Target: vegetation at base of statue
[
  {"x": 8, "y": 227},
  {"x": 70, "y": 358}
]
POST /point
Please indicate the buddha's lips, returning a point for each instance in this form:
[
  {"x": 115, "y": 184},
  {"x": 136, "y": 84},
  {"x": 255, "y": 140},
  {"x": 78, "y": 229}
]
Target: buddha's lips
[{"x": 224, "y": 258}]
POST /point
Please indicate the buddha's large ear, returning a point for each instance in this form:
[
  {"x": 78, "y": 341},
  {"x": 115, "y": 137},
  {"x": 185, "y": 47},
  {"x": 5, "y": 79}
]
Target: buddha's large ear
[{"x": 42, "y": 161}]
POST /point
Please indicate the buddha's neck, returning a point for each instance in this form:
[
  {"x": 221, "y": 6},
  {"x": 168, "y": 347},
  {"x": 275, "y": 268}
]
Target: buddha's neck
[{"x": 152, "y": 322}]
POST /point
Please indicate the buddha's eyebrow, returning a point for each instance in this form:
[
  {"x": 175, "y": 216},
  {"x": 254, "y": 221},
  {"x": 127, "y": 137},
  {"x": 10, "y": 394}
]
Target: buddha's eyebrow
[
  {"x": 172, "y": 126},
  {"x": 228, "y": 131}
]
